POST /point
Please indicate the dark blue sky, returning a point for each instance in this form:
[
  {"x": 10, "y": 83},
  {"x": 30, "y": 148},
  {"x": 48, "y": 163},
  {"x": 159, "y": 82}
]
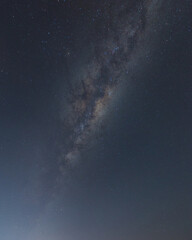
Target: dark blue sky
[{"x": 130, "y": 176}]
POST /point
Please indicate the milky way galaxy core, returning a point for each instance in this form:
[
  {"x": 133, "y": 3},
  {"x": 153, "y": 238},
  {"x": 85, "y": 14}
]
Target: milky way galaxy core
[{"x": 116, "y": 45}]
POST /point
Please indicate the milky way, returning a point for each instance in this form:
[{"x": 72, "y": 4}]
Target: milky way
[{"x": 115, "y": 47}]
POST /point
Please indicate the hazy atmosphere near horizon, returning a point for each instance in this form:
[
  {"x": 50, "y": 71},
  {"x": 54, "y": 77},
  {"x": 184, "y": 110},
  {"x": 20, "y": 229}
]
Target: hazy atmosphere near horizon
[{"x": 95, "y": 120}]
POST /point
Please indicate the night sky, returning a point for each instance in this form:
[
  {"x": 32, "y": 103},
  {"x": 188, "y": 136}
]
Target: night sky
[{"x": 95, "y": 120}]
